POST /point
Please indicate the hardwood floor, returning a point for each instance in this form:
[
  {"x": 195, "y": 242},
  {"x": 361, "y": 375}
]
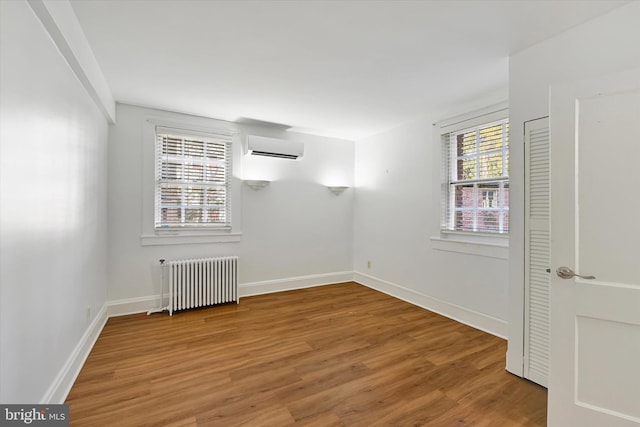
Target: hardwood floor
[{"x": 338, "y": 355}]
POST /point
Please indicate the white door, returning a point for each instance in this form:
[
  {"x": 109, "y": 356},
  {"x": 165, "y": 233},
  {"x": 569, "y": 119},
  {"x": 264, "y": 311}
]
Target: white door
[{"x": 594, "y": 372}]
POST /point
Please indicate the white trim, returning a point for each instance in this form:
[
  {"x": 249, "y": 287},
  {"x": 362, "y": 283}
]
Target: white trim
[
  {"x": 189, "y": 123},
  {"x": 538, "y": 379},
  {"x": 59, "y": 20},
  {"x": 280, "y": 285},
  {"x": 61, "y": 386},
  {"x": 186, "y": 239},
  {"x": 137, "y": 305},
  {"x": 472, "y": 118},
  {"x": 485, "y": 249},
  {"x": 460, "y": 314},
  {"x": 515, "y": 361},
  {"x": 149, "y": 235},
  {"x": 124, "y": 307}
]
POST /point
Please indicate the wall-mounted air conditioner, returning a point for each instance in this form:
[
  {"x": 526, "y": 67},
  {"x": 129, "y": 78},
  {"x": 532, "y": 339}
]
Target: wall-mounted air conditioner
[{"x": 272, "y": 147}]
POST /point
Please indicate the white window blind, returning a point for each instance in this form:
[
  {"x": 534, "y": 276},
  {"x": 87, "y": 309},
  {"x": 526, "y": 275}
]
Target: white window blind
[
  {"x": 476, "y": 179},
  {"x": 193, "y": 172}
]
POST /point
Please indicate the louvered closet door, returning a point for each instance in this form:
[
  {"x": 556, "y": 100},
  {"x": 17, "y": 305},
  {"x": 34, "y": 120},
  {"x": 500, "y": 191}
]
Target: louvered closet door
[{"x": 536, "y": 333}]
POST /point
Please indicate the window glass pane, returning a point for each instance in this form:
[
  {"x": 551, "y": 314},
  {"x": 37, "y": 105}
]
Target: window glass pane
[
  {"x": 171, "y": 146},
  {"x": 193, "y": 215},
  {"x": 216, "y": 196},
  {"x": 464, "y": 196},
  {"x": 464, "y": 220},
  {"x": 488, "y": 220},
  {"x": 216, "y": 215},
  {"x": 170, "y": 195},
  {"x": 193, "y": 148},
  {"x": 466, "y": 143},
  {"x": 171, "y": 215},
  {"x": 489, "y": 195},
  {"x": 214, "y": 173},
  {"x": 467, "y": 168},
  {"x": 171, "y": 170},
  {"x": 505, "y": 208},
  {"x": 505, "y": 194},
  {"x": 491, "y": 165},
  {"x": 215, "y": 151},
  {"x": 194, "y": 196},
  {"x": 193, "y": 173},
  {"x": 490, "y": 138}
]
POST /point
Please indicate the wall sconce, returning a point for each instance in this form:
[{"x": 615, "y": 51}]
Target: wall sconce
[
  {"x": 337, "y": 190},
  {"x": 256, "y": 184}
]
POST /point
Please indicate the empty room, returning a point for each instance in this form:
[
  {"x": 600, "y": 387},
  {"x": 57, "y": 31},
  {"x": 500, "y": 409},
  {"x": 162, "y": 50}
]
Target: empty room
[{"x": 319, "y": 213}]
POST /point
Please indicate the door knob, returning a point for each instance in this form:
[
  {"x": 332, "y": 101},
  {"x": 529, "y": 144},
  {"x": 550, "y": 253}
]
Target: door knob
[{"x": 567, "y": 273}]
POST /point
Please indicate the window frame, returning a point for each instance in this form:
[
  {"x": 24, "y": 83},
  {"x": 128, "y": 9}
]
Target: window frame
[
  {"x": 451, "y": 159},
  {"x": 188, "y": 164},
  {"x": 188, "y": 235},
  {"x": 476, "y": 244}
]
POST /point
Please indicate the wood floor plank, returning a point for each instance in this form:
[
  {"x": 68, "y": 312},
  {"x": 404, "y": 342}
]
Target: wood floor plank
[{"x": 338, "y": 355}]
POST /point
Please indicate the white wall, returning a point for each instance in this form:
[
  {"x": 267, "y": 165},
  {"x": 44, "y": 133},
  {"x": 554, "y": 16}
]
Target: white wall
[
  {"x": 52, "y": 210},
  {"x": 604, "y": 45},
  {"x": 397, "y": 213},
  {"x": 295, "y": 232}
]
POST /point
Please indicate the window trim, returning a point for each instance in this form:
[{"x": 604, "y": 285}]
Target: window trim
[
  {"x": 152, "y": 236},
  {"x": 449, "y": 159},
  {"x": 493, "y": 249},
  {"x": 189, "y": 163},
  {"x": 473, "y": 243}
]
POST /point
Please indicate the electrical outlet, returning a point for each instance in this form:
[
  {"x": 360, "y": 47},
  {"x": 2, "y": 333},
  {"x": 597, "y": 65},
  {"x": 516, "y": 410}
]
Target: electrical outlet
[
  {"x": 368, "y": 264},
  {"x": 88, "y": 312}
]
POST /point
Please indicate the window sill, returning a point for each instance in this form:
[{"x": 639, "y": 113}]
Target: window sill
[
  {"x": 188, "y": 239},
  {"x": 486, "y": 246}
]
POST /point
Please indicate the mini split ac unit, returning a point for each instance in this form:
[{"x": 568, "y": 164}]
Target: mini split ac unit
[{"x": 272, "y": 147}]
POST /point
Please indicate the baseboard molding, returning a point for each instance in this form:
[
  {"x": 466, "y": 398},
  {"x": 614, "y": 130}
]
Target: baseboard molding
[
  {"x": 515, "y": 363},
  {"x": 472, "y": 318},
  {"x": 460, "y": 314},
  {"x": 538, "y": 379},
  {"x": 123, "y": 307},
  {"x": 136, "y": 305},
  {"x": 59, "y": 389},
  {"x": 289, "y": 284}
]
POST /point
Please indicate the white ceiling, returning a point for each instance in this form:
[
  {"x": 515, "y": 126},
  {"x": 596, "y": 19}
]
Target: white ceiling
[{"x": 346, "y": 69}]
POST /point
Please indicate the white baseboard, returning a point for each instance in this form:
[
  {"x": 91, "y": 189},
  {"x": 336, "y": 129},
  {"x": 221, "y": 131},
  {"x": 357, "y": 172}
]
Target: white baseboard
[
  {"x": 538, "y": 379},
  {"x": 515, "y": 362},
  {"x": 472, "y": 318},
  {"x": 59, "y": 389},
  {"x": 123, "y": 307},
  {"x": 136, "y": 305},
  {"x": 289, "y": 284}
]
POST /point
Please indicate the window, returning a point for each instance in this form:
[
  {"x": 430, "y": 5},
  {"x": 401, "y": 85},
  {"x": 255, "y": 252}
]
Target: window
[
  {"x": 489, "y": 198},
  {"x": 476, "y": 186},
  {"x": 192, "y": 180}
]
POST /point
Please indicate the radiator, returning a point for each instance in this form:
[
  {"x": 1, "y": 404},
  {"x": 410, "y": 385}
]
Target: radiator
[{"x": 201, "y": 282}]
